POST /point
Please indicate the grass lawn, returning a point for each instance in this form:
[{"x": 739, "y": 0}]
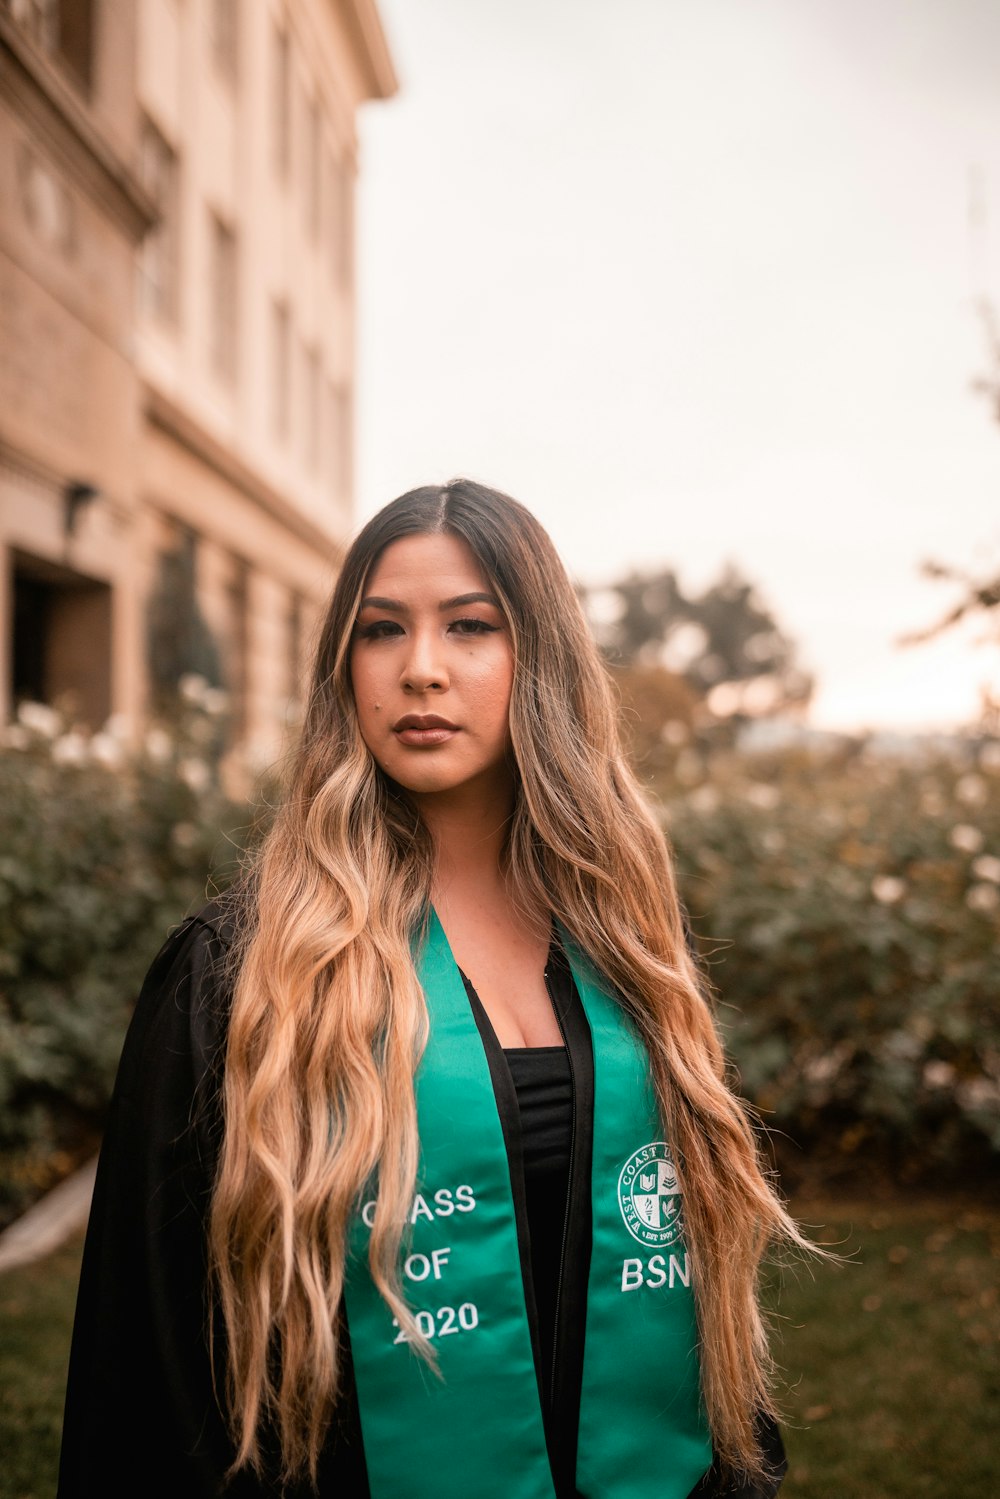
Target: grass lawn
[
  {"x": 894, "y": 1361},
  {"x": 36, "y": 1317}
]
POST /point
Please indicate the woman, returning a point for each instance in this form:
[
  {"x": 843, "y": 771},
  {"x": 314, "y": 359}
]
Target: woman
[{"x": 422, "y": 1175}]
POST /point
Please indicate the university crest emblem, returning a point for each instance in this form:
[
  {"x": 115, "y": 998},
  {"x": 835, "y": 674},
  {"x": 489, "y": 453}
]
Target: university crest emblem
[{"x": 649, "y": 1196}]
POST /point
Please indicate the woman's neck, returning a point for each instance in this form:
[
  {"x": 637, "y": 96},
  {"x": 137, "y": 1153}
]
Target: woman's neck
[
  {"x": 469, "y": 887},
  {"x": 469, "y": 829}
]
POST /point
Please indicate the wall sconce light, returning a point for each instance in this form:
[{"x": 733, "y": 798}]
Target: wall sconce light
[{"x": 77, "y": 494}]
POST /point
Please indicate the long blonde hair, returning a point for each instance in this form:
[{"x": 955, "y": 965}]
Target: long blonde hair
[{"x": 328, "y": 1020}]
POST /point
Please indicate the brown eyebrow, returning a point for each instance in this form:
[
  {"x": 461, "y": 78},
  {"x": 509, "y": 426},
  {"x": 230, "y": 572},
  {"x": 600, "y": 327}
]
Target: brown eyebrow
[
  {"x": 393, "y": 606},
  {"x": 470, "y": 598}
]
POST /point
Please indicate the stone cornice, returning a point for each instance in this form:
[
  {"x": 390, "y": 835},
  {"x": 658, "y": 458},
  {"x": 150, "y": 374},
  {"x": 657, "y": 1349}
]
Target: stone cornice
[
  {"x": 60, "y": 119},
  {"x": 164, "y": 413},
  {"x": 365, "y": 28}
]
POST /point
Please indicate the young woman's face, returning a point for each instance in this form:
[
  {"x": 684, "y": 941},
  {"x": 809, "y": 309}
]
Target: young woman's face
[{"x": 432, "y": 665}]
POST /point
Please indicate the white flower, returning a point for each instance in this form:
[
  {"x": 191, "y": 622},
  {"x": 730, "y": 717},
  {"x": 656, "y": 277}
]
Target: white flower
[
  {"x": 983, "y": 898},
  {"x": 938, "y": 1074},
  {"x": 989, "y": 755},
  {"x": 117, "y": 727},
  {"x": 971, "y": 789},
  {"x": 194, "y": 773},
  {"x": 70, "y": 749},
  {"x": 825, "y": 1068},
  {"x": 704, "y": 799},
  {"x": 979, "y": 1093},
  {"x": 675, "y": 731},
  {"x": 192, "y": 688},
  {"x": 888, "y": 889},
  {"x": 40, "y": 719},
  {"x": 986, "y": 867},
  {"x": 965, "y": 837},
  {"x": 158, "y": 745},
  {"x": 760, "y": 794},
  {"x": 215, "y": 701},
  {"x": 107, "y": 750},
  {"x": 902, "y": 1046}
]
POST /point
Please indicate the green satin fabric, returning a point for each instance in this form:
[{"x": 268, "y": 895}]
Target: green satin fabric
[{"x": 475, "y": 1427}]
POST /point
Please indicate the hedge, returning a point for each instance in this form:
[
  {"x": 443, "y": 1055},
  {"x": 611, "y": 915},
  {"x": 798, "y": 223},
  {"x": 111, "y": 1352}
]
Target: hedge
[
  {"x": 848, "y": 910},
  {"x": 101, "y": 852}
]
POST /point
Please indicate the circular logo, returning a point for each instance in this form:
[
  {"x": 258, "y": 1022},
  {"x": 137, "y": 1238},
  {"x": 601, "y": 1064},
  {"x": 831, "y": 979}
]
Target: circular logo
[{"x": 649, "y": 1196}]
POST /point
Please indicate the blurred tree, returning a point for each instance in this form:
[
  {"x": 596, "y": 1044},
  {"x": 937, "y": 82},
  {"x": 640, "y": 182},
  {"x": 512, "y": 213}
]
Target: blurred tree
[
  {"x": 988, "y": 385},
  {"x": 179, "y": 641},
  {"x": 724, "y": 643},
  {"x": 659, "y": 714},
  {"x": 977, "y": 595}
]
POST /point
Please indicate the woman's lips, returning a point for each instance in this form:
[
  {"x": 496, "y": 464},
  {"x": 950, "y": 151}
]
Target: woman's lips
[
  {"x": 424, "y": 730},
  {"x": 425, "y": 737}
]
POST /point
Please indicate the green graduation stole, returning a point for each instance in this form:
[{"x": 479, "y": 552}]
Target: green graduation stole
[{"x": 478, "y": 1429}]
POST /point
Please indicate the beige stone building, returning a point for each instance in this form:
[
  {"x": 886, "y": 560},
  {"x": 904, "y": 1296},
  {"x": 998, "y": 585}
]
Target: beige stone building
[{"x": 176, "y": 343}]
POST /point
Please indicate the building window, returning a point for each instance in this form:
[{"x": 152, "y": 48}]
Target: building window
[
  {"x": 48, "y": 203},
  {"x": 179, "y": 639},
  {"x": 237, "y": 644},
  {"x": 340, "y": 231},
  {"x": 222, "y": 317},
  {"x": 281, "y": 105},
  {"x": 281, "y": 370},
  {"x": 295, "y": 683},
  {"x": 61, "y": 639},
  {"x": 337, "y": 464},
  {"x": 313, "y": 382},
  {"x": 158, "y": 281},
  {"x": 300, "y": 401},
  {"x": 225, "y": 37},
  {"x": 326, "y": 179},
  {"x": 63, "y": 28},
  {"x": 314, "y": 130}
]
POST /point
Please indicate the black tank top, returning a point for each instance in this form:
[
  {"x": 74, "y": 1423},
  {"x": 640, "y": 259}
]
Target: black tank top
[
  {"x": 543, "y": 1083},
  {"x": 544, "y": 1086}
]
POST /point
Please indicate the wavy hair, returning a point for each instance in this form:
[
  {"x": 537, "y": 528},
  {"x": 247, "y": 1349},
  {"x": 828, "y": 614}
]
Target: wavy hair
[{"x": 328, "y": 1020}]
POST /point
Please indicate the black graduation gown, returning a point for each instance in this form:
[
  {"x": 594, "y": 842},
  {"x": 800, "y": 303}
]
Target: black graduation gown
[{"x": 141, "y": 1416}]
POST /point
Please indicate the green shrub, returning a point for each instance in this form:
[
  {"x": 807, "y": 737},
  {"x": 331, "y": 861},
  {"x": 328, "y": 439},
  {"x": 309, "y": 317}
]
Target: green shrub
[
  {"x": 848, "y": 907},
  {"x": 101, "y": 852}
]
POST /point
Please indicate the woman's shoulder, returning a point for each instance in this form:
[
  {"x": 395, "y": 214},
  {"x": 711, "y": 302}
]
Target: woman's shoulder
[
  {"x": 192, "y": 968},
  {"x": 182, "y": 1011},
  {"x": 212, "y": 928}
]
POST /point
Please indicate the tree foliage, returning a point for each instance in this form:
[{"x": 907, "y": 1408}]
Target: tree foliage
[
  {"x": 179, "y": 640},
  {"x": 978, "y": 594},
  {"x": 724, "y": 643}
]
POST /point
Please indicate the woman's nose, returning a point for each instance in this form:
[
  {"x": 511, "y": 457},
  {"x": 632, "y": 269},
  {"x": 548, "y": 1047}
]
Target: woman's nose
[{"x": 424, "y": 668}]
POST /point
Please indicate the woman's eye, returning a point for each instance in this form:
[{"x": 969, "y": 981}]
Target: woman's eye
[
  {"x": 473, "y": 626},
  {"x": 379, "y": 629}
]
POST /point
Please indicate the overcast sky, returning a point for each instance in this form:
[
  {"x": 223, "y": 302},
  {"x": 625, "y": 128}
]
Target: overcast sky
[{"x": 694, "y": 279}]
